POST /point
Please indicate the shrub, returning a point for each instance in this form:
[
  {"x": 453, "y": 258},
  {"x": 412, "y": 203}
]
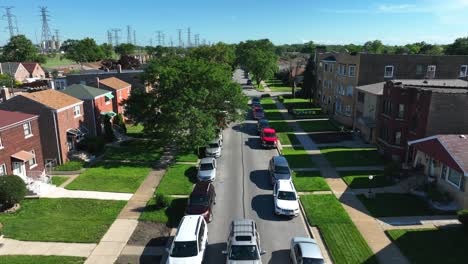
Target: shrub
[
  {"x": 108, "y": 131},
  {"x": 93, "y": 145},
  {"x": 12, "y": 191},
  {"x": 281, "y": 98},
  {"x": 463, "y": 217},
  {"x": 119, "y": 121},
  {"x": 392, "y": 169},
  {"x": 162, "y": 201}
]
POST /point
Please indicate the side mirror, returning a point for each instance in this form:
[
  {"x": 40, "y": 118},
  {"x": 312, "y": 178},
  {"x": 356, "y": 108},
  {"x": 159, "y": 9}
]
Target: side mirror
[
  {"x": 224, "y": 252},
  {"x": 263, "y": 252}
]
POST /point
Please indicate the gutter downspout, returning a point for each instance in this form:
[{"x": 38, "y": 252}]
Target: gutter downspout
[
  {"x": 94, "y": 117},
  {"x": 57, "y": 137}
]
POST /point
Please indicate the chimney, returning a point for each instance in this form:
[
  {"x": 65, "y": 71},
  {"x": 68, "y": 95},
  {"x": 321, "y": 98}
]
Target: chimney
[{"x": 119, "y": 68}]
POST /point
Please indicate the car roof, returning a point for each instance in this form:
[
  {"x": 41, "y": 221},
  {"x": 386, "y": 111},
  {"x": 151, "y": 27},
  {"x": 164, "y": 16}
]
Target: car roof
[
  {"x": 269, "y": 130},
  {"x": 310, "y": 249},
  {"x": 201, "y": 187},
  {"x": 242, "y": 230},
  {"x": 285, "y": 185},
  {"x": 207, "y": 160},
  {"x": 280, "y": 161},
  {"x": 188, "y": 227}
]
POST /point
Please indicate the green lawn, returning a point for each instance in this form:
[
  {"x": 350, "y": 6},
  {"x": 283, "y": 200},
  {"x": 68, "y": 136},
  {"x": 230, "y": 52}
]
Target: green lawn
[
  {"x": 268, "y": 104},
  {"x": 179, "y": 179},
  {"x": 58, "y": 60},
  {"x": 111, "y": 177},
  {"x": 278, "y": 86},
  {"x": 360, "y": 179},
  {"x": 72, "y": 165},
  {"x": 135, "y": 131},
  {"x": 309, "y": 181},
  {"x": 316, "y": 126},
  {"x": 432, "y": 246},
  {"x": 288, "y": 139},
  {"x": 273, "y": 114},
  {"x": 186, "y": 157},
  {"x": 170, "y": 215},
  {"x": 345, "y": 243},
  {"x": 61, "y": 220},
  {"x": 280, "y": 126},
  {"x": 395, "y": 204},
  {"x": 344, "y": 157},
  {"x": 58, "y": 180},
  {"x": 298, "y": 158},
  {"x": 22, "y": 259},
  {"x": 135, "y": 150}
]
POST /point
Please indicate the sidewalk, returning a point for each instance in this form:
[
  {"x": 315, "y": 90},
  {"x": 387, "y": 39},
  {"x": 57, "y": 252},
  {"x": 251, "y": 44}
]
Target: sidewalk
[
  {"x": 115, "y": 240},
  {"x": 385, "y": 251},
  {"x": 16, "y": 247},
  {"x": 265, "y": 86},
  {"x": 60, "y": 192}
]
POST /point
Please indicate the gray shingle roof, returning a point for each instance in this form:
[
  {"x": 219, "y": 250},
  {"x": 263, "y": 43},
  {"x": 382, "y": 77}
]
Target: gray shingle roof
[
  {"x": 9, "y": 67},
  {"x": 84, "y": 92}
]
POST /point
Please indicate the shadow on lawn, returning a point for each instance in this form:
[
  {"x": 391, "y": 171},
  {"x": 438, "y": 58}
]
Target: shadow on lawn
[
  {"x": 174, "y": 212},
  {"x": 191, "y": 174},
  {"x": 116, "y": 164}
]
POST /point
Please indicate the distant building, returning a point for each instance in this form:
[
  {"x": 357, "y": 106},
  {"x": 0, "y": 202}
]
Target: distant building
[
  {"x": 35, "y": 70},
  {"x": 14, "y": 69},
  {"x": 367, "y": 109}
]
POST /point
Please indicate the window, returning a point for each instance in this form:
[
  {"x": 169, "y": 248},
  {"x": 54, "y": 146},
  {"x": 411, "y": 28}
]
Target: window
[
  {"x": 419, "y": 69},
  {"x": 463, "y": 70},
  {"x": 349, "y": 90},
  {"x": 329, "y": 100},
  {"x": 3, "y": 169},
  {"x": 107, "y": 100},
  {"x": 76, "y": 111},
  {"x": 32, "y": 162},
  {"x": 454, "y": 177},
  {"x": 401, "y": 111},
  {"x": 325, "y": 68},
  {"x": 27, "y": 130},
  {"x": 201, "y": 234},
  {"x": 414, "y": 123},
  {"x": 397, "y": 138},
  {"x": 344, "y": 69},
  {"x": 338, "y": 106},
  {"x": 331, "y": 67},
  {"x": 431, "y": 70},
  {"x": 360, "y": 97},
  {"x": 352, "y": 70},
  {"x": 388, "y": 71},
  {"x": 330, "y": 84}
]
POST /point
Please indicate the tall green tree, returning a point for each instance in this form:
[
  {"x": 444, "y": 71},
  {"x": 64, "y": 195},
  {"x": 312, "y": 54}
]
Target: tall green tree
[
  {"x": 125, "y": 49},
  {"x": 375, "y": 46},
  {"x": 107, "y": 50},
  {"x": 189, "y": 99},
  {"x": 85, "y": 50},
  {"x": 258, "y": 57},
  {"x": 458, "y": 47},
  {"x": 21, "y": 49},
  {"x": 219, "y": 53}
]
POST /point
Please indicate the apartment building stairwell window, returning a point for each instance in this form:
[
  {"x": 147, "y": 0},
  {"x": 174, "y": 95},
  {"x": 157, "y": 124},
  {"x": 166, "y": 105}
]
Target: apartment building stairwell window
[
  {"x": 349, "y": 90},
  {"x": 352, "y": 70},
  {"x": 431, "y": 71},
  {"x": 388, "y": 73}
]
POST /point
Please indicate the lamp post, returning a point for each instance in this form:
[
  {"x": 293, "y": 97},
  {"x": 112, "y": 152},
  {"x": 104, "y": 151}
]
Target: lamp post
[{"x": 370, "y": 194}]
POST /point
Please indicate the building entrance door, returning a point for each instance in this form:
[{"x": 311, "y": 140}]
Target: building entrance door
[{"x": 19, "y": 169}]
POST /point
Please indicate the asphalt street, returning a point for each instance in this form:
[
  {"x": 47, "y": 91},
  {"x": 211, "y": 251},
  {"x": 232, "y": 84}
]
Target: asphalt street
[{"x": 244, "y": 191}]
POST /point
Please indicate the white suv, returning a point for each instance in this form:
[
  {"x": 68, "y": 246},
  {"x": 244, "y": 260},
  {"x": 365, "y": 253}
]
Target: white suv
[
  {"x": 190, "y": 241},
  {"x": 286, "y": 200}
]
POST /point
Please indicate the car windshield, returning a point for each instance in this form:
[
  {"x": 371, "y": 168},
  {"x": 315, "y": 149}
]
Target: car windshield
[
  {"x": 206, "y": 166},
  {"x": 244, "y": 253},
  {"x": 290, "y": 196},
  {"x": 264, "y": 123},
  {"x": 184, "y": 249},
  {"x": 282, "y": 170},
  {"x": 213, "y": 145},
  {"x": 199, "y": 200},
  {"x": 312, "y": 261},
  {"x": 272, "y": 135}
]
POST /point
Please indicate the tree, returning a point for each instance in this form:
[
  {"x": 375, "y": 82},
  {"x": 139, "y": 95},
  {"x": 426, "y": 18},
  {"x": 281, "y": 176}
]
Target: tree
[
  {"x": 219, "y": 53},
  {"x": 375, "y": 46},
  {"x": 107, "y": 50},
  {"x": 458, "y": 47},
  {"x": 85, "y": 50},
  {"x": 258, "y": 57},
  {"x": 12, "y": 191},
  {"x": 309, "y": 85},
  {"x": 21, "y": 49},
  {"x": 125, "y": 49},
  {"x": 6, "y": 80},
  {"x": 189, "y": 98},
  {"x": 128, "y": 62}
]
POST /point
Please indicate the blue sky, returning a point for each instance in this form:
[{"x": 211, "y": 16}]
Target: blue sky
[{"x": 293, "y": 21}]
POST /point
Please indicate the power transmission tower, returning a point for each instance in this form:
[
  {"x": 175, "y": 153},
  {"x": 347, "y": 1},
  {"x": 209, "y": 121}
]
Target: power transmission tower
[
  {"x": 163, "y": 39},
  {"x": 129, "y": 34},
  {"x": 57, "y": 43},
  {"x": 197, "y": 40},
  {"x": 151, "y": 42},
  {"x": 171, "y": 43},
  {"x": 134, "y": 37},
  {"x": 159, "y": 37},
  {"x": 204, "y": 42},
  {"x": 189, "y": 34},
  {"x": 45, "y": 36},
  {"x": 181, "y": 42},
  {"x": 9, "y": 17},
  {"x": 109, "y": 37},
  {"x": 116, "y": 35}
]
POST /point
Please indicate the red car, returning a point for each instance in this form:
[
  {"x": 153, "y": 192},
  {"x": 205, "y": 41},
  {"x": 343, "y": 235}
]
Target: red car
[
  {"x": 268, "y": 137},
  {"x": 201, "y": 201}
]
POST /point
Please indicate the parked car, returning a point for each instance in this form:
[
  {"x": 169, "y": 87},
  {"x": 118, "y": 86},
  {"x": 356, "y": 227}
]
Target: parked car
[
  {"x": 261, "y": 124},
  {"x": 285, "y": 198},
  {"x": 279, "y": 169},
  {"x": 243, "y": 245},
  {"x": 305, "y": 250},
  {"x": 249, "y": 82},
  {"x": 207, "y": 169},
  {"x": 258, "y": 114},
  {"x": 214, "y": 148},
  {"x": 255, "y": 100},
  {"x": 190, "y": 241},
  {"x": 201, "y": 201},
  {"x": 268, "y": 138},
  {"x": 219, "y": 135}
]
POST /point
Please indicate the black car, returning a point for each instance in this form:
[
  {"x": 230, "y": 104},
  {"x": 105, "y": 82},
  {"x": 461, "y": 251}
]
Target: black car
[
  {"x": 249, "y": 82},
  {"x": 262, "y": 123}
]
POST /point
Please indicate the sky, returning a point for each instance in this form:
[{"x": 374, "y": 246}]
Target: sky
[{"x": 283, "y": 22}]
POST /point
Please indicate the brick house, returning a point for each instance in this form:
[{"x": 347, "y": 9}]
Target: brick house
[
  {"x": 20, "y": 145},
  {"x": 120, "y": 90},
  {"x": 338, "y": 75},
  {"x": 97, "y": 104},
  {"x": 15, "y": 69},
  {"x": 60, "y": 121},
  {"x": 367, "y": 110},
  {"x": 444, "y": 159},
  {"x": 90, "y": 78},
  {"x": 35, "y": 70},
  {"x": 414, "y": 109}
]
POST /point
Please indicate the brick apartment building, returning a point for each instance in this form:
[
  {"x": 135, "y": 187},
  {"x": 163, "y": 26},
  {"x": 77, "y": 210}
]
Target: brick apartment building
[
  {"x": 20, "y": 145},
  {"x": 35, "y": 70},
  {"x": 338, "y": 75},
  {"x": 60, "y": 121},
  {"x": 97, "y": 104},
  {"x": 414, "y": 109},
  {"x": 367, "y": 109},
  {"x": 120, "y": 90}
]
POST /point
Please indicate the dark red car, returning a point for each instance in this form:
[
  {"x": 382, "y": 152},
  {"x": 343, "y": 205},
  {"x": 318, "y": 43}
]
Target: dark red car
[
  {"x": 201, "y": 201},
  {"x": 269, "y": 138}
]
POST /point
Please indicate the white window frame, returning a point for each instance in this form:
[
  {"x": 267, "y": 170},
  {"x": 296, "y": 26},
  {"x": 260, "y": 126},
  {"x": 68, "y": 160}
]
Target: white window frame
[
  {"x": 348, "y": 110},
  {"x": 33, "y": 162},
  {"x": 76, "y": 111},
  {"x": 3, "y": 170},
  {"x": 451, "y": 182},
  {"x": 29, "y": 129},
  {"x": 465, "y": 72},
  {"x": 385, "y": 71},
  {"x": 354, "y": 70}
]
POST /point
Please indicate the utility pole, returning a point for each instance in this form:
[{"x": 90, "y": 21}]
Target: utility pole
[
  {"x": 134, "y": 37},
  {"x": 116, "y": 36},
  {"x": 181, "y": 43},
  {"x": 45, "y": 36},
  {"x": 109, "y": 37},
  {"x": 129, "y": 34},
  {"x": 189, "y": 35},
  {"x": 9, "y": 17}
]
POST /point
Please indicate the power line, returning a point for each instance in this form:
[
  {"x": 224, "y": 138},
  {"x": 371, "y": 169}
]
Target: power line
[
  {"x": 109, "y": 37},
  {"x": 163, "y": 39},
  {"x": 159, "y": 37},
  {"x": 181, "y": 42},
  {"x": 197, "y": 40},
  {"x": 129, "y": 34},
  {"x": 9, "y": 16},
  {"x": 116, "y": 35},
  {"x": 189, "y": 41}
]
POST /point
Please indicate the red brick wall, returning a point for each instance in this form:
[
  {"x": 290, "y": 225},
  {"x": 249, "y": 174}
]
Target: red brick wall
[
  {"x": 101, "y": 106},
  {"x": 66, "y": 121},
  {"x": 13, "y": 140},
  {"x": 122, "y": 95}
]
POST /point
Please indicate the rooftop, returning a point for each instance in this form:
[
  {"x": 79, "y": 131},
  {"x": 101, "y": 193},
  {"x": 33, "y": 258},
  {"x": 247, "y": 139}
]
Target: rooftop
[
  {"x": 188, "y": 228},
  {"x": 374, "y": 88},
  {"x": 114, "y": 83},
  {"x": 10, "y": 118},
  {"x": 435, "y": 85},
  {"x": 84, "y": 92},
  {"x": 52, "y": 98},
  {"x": 30, "y": 66}
]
